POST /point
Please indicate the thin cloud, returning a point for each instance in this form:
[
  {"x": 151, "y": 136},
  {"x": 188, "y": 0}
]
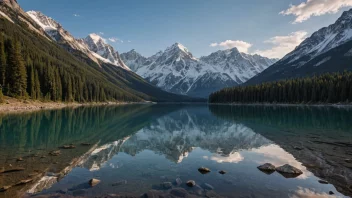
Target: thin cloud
[
  {"x": 115, "y": 40},
  {"x": 305, "y": 10},
  {"x": 282, "y": 45},
  {"x": 242, "y": 46},
  {"x": 101, "y": 33},
  {"x": 76, "y": 15}
]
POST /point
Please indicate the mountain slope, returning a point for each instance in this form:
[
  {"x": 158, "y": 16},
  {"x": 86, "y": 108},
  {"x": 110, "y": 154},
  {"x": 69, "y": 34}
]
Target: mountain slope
[
  {"x": 327, "y": 50},
  {"x": 65, "y": 73},
  {"x": 178, "y": 71}
]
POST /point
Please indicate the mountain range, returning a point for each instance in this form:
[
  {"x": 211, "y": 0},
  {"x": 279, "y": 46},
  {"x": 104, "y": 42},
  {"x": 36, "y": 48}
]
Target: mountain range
[
  {"x": 177, "y": 70},
  {"x": 89, "y": 59},
  {"x": 326, "y": 50}
]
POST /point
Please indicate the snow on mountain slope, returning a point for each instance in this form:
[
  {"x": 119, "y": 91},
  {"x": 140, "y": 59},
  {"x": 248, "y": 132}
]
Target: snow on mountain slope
[
  {"x": 177, "y": 70},
  {"x": 326, "y": 50},
  {"x": 93, "y": 46},
  {"x": 98, "y": 45}
]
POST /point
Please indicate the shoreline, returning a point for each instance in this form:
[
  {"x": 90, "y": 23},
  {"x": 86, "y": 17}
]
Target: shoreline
[
  {"x": 337, "y": 105},
  {"x": 12, "y": 105}
]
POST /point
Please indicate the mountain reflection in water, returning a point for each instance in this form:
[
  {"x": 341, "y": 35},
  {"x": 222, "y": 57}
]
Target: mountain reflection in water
[{"x": 140, "y": 147}]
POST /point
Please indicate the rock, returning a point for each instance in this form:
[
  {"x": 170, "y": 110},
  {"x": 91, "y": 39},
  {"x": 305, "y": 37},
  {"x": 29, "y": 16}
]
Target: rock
[
  {"x": 288, "y": 169},
  {"x": 55, "y": 153},
  {"x": 2, "y": 169},
  {"x": 13, "y": 170},
  {"x": 211, "y": 193},
  {"x": 25, "y": 181},
  {"x": 208, "y": 186},
  {"x": 204, "y": 170},
  {"x": 71, "y": 146},
  {"x": 348, "y": 160},
  {"x": 178, "y": 181},
  {"x": 94, "y": 182},
  {"x": 267, "y": 167},
  {"x": 197, "y": 190},
  {"x": 191, "y": 183},
  {"x": 166, "y": 185},
  {"x": 222, "y": 172},
  {"x": 5, "y": 188},
  {"x": 122, "y": 182},
  {"x": 331, "y": 193},
  {"x": 323, "y": 182},
  {"x": 179, "y": 192},
  {"x": 19, "y": 159}
]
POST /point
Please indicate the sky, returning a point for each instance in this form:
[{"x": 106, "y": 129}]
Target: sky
[{"x": 270, "y": 28}]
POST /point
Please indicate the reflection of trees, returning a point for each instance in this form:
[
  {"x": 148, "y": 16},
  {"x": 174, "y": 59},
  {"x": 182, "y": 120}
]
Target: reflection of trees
[
  {"x": 85, "y": 124},
  {"x": 288, "y": 116}
]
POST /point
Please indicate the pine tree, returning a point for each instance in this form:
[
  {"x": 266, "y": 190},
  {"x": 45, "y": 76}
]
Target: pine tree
[
  {"x": 2, "y": 60},
  {"x": 17, "y": 72}
]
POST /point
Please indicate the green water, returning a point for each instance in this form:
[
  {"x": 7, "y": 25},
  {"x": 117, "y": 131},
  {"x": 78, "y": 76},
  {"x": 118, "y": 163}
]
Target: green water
[{"x": 136, "y": 148}]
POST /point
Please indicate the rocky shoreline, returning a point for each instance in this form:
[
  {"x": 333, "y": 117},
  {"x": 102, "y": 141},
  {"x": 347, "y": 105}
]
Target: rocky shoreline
[{"x": 12, "y": 105}]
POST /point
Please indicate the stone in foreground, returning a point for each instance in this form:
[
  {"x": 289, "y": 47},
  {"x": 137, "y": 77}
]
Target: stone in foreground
[
  {"x": 191, "y": 183},
  {"x": 204, "y": 170},
  {"x": 94, "y": 182},
  {"x": 267, "y": 168},
  {"x": 222, "y": 172},
  {"x": 289, "y": 171}
]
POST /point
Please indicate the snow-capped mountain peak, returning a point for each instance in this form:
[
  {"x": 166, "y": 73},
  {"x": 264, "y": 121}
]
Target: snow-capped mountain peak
[
  {"x": 43, "y": 21},
  {"x": 177, "y": 70},
  {"x": 96, "y": 38}
]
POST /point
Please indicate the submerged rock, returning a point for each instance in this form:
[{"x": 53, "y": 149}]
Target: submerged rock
[
  {"x": 222, "y": 172},
  {"x": 86, "y": 144},
  {"x": 288, "y": 169},
  {"x": 191, "y": 183},
  {"x": 94, "y": 182},
  {"x": 267, "y": 168},
  {"x": 71, "y": 146},
  {"x": 204, "y": 170},
  {"x": 179, "y": 192},
  {"x": 25, "y": 181},
  {"x": 5, "y": 188},
  {"x": 166, "y": 185},
  {"x": 20, "y": 159},
  {"x": 55, "y": 153},
  {"x": 12, "y": 170},
  {"x": 208, "y": 186},
  {"x": 178, "y": 181},
  {"x": 323, "y": 182}
]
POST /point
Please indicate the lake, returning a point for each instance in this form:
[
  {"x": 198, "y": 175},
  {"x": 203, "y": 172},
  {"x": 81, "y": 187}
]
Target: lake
[{"x": 141, "y": 150}]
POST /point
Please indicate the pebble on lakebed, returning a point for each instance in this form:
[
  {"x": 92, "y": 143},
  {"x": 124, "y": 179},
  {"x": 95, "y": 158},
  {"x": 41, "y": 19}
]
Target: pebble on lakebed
[
  {"x": 204, "y": 170},
  {"x": 94, "y": 182},
  {"x": 191, "y": 183},
  {"x": 222, "y": 172}
]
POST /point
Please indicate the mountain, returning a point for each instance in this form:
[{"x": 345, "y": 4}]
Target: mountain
[
  {"x": 59, "y": 67},
  {"x": 97, "y": 44},
  {"x": 178, "y": 71},
  {"x": 60, "y": 35},
  {"x": 327, "y": 50}
]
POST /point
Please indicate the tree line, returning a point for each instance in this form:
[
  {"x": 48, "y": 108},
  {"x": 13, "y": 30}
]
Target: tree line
[
  {"x": 32, "y": 67},
  {"x": 326, "y": 88}
]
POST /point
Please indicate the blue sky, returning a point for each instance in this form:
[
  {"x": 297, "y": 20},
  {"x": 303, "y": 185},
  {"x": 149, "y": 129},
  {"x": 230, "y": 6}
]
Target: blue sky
[{"x": 203, "y": 26}]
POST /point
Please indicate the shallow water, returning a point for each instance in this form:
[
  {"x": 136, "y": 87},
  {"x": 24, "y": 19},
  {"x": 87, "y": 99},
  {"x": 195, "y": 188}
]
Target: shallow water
[{"x": 136, "y": 148}]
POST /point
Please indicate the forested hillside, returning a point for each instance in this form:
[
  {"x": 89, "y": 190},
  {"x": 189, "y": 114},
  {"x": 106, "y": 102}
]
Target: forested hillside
[
  {"x": 327, "y": 88},
  {"x": 34, "y": 67}
]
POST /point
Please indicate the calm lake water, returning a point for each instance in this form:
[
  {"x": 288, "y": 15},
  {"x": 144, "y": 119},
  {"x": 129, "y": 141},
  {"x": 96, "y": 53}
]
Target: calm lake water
[{"x": 136, "y": 149}]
